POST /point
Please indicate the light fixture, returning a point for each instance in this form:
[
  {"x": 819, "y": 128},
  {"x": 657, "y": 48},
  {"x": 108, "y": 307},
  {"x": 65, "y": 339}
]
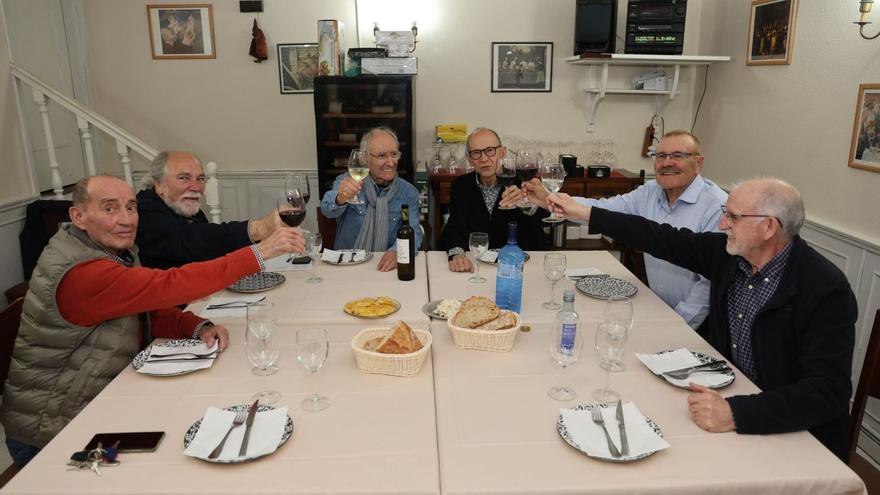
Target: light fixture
[
  {"x": 398, "y": 43},
  {"x": 864, "y": 12}
]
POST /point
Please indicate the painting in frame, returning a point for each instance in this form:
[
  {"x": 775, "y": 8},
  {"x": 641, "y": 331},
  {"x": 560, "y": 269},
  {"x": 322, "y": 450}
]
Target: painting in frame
[
  {"x": 522, "y": 67},
  {"x": 771, "y": 32},
  {"x": 181, "y": 31},
  {"x": 297, "y": 67},
  {"x": 864, "y": 151}
]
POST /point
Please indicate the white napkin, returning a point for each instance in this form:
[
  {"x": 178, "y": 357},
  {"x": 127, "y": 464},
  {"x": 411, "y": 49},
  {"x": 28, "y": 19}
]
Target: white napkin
[
  {"x": 490, "y": 256},
  {"x": 347, "y": 256},
  {"x": 330, "y": 256},
  {"x": 163, "y": 350},
  {"x": 284, "y": 263},
  {"x": 174, "y": 367},
  {"x": 359, "y": 255},
  {"x": 676, "y": 360},
  {"x": 236, "y": 311},
  {"x": 589, "y": 436},
  {"x": 582, "y": 272},
  {"x": 265, "y": 434}
]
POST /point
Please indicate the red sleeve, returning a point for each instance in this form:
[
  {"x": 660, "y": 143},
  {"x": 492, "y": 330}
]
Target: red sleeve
[
  {"x": 173, "y": 323},
  {"x": 101, "y": 289}
]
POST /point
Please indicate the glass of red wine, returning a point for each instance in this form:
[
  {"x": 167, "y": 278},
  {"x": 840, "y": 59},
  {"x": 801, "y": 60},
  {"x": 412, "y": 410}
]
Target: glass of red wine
[
  {"x": 291, "y": 207},
  {"x": 506, "y": 174},
  {"x": 526, "y": 170}
]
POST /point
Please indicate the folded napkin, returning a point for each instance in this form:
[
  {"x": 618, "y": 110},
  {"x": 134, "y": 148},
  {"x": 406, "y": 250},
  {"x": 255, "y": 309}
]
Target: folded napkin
[
  {"x": 284, "y": 263},
  {"x": 574, "y": 273},
  {"x": 167, "y": 351},
  {"x": 176, "y": 367},
  {"x": 344, "y": 256},
  {"x": 235, "y": 311},
  {"x": 490, "y": 256},
  {"x": 676, "y": 360},
  {"x": 589, "y": 436},
  {"x": 265, "y": 434}
]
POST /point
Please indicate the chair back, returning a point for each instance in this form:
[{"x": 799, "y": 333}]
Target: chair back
[
  {"x": 10, "y": 318},
  {"x": 327, "y": 228},
  {"x": 869, "y": 384},
  {"x": 42, "y": 219}
]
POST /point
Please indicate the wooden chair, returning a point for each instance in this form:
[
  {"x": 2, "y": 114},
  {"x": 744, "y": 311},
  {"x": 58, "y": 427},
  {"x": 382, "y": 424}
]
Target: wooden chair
[
  {"x": 42, "y": 220},
  {"x": 869, "y": 384},
  {"x": 327, "y": 228},
  {"x": 10, "y": 318}
]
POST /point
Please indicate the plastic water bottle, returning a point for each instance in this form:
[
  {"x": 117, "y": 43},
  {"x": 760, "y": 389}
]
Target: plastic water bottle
[
  {"x": 508, "y": 283},
  {"x": 567, "y": 320}
]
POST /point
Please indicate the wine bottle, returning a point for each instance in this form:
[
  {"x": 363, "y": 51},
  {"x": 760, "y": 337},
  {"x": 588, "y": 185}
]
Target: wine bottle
[{"x": 406, "y": 247}]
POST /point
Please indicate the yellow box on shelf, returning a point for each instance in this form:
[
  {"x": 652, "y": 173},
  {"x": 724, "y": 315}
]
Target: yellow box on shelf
[{"x": 451, "y": 133}]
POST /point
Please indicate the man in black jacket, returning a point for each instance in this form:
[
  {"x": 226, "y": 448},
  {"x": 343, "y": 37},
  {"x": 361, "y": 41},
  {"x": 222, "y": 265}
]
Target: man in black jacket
[
  {"x": 173, "y": 230},
  {"x": 474, "y": 205},
  {"x": 782, "y": 313}
]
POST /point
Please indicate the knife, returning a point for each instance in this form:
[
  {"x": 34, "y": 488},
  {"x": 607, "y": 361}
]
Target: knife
[
  {"x": 624, "y": 445},
  {"x": 247, "y": 428},
  {"x": 691, "y": 368}
]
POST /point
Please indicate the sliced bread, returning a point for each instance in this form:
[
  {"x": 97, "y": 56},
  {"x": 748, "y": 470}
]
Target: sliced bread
[{"x": 503, "y": 322}]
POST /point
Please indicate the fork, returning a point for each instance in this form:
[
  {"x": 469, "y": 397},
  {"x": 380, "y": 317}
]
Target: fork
[
  {"x": 232, "y": 304},
  {"x": 681, "y": 375},
  {"x": 240, "y": 416},
  {"x": 599, "y": 420}
]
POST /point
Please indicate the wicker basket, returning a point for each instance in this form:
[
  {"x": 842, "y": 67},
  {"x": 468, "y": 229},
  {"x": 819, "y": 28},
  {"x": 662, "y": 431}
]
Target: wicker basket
[
  {"x": 389, "y": 364},
  {"x": 484, "y": 340}
]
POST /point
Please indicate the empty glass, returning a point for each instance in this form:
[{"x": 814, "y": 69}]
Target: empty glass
[
  {"x": 312, "y": 348},
  {"x": 619, "y": 311},
  {"x": 478, "y": 243},
  {"x": 565, "y": 348},
  {"x": 313, "y": 249},
  {"x": 261, "y": 344},
  {"x": 554, "y": 269},
  {"x": 610, "y": 343}
]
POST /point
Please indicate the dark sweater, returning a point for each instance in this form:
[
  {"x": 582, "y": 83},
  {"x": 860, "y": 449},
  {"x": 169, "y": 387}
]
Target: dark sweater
[{"x": 802, "y": 338}]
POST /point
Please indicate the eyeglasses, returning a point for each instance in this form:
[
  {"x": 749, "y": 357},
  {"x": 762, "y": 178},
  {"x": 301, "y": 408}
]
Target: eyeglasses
[
  {"x": 489, "y": 152},
  {"x": 675, "y": 156},
  {"x": 733, "y": 217},
  {"x": 394, "y": 155}
]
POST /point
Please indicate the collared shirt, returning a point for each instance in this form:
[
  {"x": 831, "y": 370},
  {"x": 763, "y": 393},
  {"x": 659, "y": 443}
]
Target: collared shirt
[
  {"x": 350, "y": 218},
  {"x": 745, "y": 297},
  {"x": 697, "y": 209},
  {"x": 490, "y": 193}
]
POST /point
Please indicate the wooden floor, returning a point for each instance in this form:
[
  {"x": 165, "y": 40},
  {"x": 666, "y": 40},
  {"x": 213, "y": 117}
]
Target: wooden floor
[{"x": 869, "y": 474}]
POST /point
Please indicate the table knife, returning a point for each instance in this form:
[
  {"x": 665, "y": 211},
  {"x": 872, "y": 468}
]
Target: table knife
[
  {"x": 252, "y": 411},
  {"x": 703, "y": 365},
  {"x": 621, "y": 424}
]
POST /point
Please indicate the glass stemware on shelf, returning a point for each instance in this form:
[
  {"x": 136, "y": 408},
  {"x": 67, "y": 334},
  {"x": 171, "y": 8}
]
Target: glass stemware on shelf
[
  {"x": 506, "y": 174},
  {"x": 554, "y": 269},
  {"x": 478, "y": 244},
  {"x": 552, "y": 176},
  {"x": 262, "y": 346},
  {"x": 312, "y": 348},
  {"x": 610, "y": 343},
  {"x": 313, "y": 249},
  {"x": 358, "y": 169}
]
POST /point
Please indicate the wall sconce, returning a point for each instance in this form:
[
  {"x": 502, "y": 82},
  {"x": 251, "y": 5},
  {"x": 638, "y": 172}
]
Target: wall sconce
[
  {"x": 398, "y": 43},
  {"x": 864, "y": 12}
]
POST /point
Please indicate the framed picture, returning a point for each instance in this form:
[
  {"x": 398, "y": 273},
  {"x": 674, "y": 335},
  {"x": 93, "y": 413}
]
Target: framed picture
[
  {"x": 864, "y": 152},
  {"x": 771, "y": 32},
  {"x": 181, "y": 30},
  {"x": 522, "y": 67},
  {"x": 297, "y": 67}
]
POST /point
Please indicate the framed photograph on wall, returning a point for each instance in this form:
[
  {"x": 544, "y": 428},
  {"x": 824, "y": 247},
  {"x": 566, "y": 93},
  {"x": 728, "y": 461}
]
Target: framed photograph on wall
[
  {"x": 522, "y": 67},
  {"x": 181, "y": 30},
  {"x": 864, "y": 151},
  {"x": 297, "y": 67},
  {"x": 771, "y": 32}
]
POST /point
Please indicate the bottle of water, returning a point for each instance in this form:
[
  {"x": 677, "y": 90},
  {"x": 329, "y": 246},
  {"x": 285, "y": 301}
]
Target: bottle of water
[
  {"x": 508, "y": 283},
  {"x": 567, "y": 321}
]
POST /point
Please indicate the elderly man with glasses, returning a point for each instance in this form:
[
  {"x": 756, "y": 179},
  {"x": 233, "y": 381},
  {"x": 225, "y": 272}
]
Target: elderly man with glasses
[
  {"x": 779, "y": 311},
  {"x": 478, "y": 203},
  {"x": 373, "y": 225},
  {"x": 680, "y": 197}
]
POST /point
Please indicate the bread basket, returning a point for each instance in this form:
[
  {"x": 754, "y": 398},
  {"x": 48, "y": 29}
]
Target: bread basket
[
  {"x": 389, "y": 364},
  {"x": 484, "y": 340}
]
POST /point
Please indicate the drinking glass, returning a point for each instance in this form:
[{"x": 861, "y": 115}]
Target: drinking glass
[
  {"x": 610, "y": 343},
  {"x": 291, "y": 206},
  {"x": 552, "y": 175},
  {"x": 358, "y": 169},
  {"x": 618, "y": 310},
  {"x": 300, "y": 182},
  {"x": 506, "y": 174},
  {"x": 478, "y": 243},
  {"x": 261, "y": 345},
  {"x": 312, "y": 347},
  {"x": 554, "y": 269},
  {"x": 526, "y": 169},
  {"x": 565, "y": 349},
  {"x": 313, "y": 249}
]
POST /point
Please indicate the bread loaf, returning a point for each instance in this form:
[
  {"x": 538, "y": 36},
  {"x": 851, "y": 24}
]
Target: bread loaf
[
  {"x": 401, "y": 340},
  {"x": 503, "y": 322}
]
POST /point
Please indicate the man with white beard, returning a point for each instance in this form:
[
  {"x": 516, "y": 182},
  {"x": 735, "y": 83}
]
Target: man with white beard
[{"x": 173, "y": 230}]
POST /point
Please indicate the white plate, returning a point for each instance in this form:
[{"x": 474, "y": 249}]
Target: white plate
[
  {"x": 703, "y": 358},
  {"x": 194, "y": 428},
  {"x": 347, "y": 263},
  {"x": 430, "y": 307},
  {"x": 605, "y": 287},
  {"x": 563, "y": 432},
  {"x": 258, "y": 282},
  {"x": 141, "y": 358}
]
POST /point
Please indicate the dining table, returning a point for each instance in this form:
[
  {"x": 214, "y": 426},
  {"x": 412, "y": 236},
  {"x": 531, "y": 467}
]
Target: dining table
[{"x": 470, "y": 421}]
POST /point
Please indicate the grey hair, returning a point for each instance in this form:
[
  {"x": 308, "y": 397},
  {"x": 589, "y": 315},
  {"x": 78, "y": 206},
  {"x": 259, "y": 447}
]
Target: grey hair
[
  {"x": 481, "y": 129},
  {"x": 369, "y": 135},
  {"x": 159, "y": 169},
  {"x": 779, "y": 199}
]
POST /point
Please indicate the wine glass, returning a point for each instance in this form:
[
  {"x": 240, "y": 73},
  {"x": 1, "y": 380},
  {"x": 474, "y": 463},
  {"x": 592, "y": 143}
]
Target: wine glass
[
  {"x": 610, "y": 342},
  {"x": 618, "y": 310},
  {"x": 478, "y": 243},
  {"x": 291, "y": 206},
  {"x": 565, "y": 348},
  {"x": 506, "y": 174},
  {"x": 358, "y": 169},
  {"x": 526, "y": 169},
  {"x": 261, "y": 344},
  {"x": 312, "y": 347},
  {"x": 552, "y": 175},
  {"x": 299, "y": 181},
  {"x": 554, "y": 269},
  {"x": 313, "y": 249}
]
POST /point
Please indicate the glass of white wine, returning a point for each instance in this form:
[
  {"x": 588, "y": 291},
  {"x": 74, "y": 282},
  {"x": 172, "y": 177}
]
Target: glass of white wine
[
  {"x": 552, "y": 175},
  {"x": 358, "y": 169}
]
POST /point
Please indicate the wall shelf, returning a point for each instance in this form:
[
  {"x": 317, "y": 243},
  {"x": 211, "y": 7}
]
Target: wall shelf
[{"x": 597, "y": 77}]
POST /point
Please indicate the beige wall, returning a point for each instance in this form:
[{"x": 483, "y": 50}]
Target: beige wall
[{"x": 16, "y": 183}]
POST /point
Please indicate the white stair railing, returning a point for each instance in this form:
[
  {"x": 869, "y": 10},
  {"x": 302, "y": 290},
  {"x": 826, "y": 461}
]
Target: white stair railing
[{"x": 87, "y": 118}]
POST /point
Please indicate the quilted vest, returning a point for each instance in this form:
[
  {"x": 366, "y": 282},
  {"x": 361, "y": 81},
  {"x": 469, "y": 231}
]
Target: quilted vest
[{"x": 58, "y": 367}]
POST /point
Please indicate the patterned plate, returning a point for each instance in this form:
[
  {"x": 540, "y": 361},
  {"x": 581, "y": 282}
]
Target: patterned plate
[
  {"x": 496, "y": 259},
  {"x": 142, "y": 356},
  {"x": 605, "y": 287},
  {"x": 703, "y": 358},
  {"x": 258, "y": 282},
  {"x": 191, "y": 433},
  {"x": 563, "y": 432},
  {"x": 349, "y": 263}
]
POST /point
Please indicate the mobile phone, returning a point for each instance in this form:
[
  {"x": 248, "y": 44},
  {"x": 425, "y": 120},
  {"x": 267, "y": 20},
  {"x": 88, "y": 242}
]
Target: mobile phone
[
  {"x": 303, "y": 260},
  {"x": 135, "y": 441}
]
